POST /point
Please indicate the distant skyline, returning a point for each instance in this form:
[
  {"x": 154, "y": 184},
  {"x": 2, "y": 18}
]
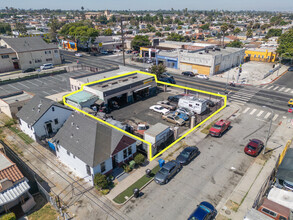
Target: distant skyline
[{"x": 235, "y": 5}]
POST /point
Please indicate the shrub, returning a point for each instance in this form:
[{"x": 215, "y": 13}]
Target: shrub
[
  {"x": 9, "y": 216},
  {"x": 101, "y": 181},
  {"x": 105, "y": 191},
  {"x": 127, "y": 168},
  {"x": 139, "y": 159}
]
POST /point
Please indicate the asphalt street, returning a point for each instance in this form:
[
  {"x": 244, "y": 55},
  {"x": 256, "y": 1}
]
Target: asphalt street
[
  {"x": 208, "y": 177},
  {"x": 286, "y": 80}
]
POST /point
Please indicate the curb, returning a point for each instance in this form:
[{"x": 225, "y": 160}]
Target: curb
[{"x": 275, "y": 78}]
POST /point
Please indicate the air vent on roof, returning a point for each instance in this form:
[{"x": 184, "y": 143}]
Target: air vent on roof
[
  {"x": 71, "y": 136},
  {"x": 39, "y": 105},
  {"x": 77, "y": 127},
  {"x": 72, "y": 115},
  {"x": 72, "y": 123},
  {"x": 33, "y": 109}
]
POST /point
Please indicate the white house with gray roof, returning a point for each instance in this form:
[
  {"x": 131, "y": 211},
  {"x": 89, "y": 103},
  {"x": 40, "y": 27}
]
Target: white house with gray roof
[
  {"x": 42, "y": 117},
  {"x": 88, "y": 146}
]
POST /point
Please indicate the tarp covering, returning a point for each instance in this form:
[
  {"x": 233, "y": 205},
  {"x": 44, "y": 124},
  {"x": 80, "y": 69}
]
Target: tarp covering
[{"x": 285, "y": 170}]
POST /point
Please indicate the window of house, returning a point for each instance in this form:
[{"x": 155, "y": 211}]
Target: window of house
[
  {"x": 53, "y": 109},
  {"x": 30, "y": 62},
  {"x": 262, "y": 56},
  {"x": 68, "y": 153},
  {"x": 103, "y": 167},
  {"x": 88, "y": 170},
  {"x": 56, "y": 51},
  {"x": 269, "y": 57},
  {"x": 5, "y": 56},
  {"x": 129, "y": 151},
  {"x": 124, "y": 153},
  {"x": 254, "y": 56},
  {"x": 271, "y": 213},
  {"x": 49, "y": 59},
  {"x": 38, "y": 61},
  {"x": 56, "y": 121}
]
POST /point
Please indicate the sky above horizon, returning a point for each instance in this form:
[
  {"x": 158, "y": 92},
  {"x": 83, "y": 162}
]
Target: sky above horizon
[{"x": 258, "y": 5}]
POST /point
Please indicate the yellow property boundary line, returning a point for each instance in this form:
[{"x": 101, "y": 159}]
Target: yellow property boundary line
[{"x": 157, "y": 81}]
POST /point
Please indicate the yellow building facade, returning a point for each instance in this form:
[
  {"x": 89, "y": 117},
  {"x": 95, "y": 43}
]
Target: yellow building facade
[{"x": 260, "y": 55}]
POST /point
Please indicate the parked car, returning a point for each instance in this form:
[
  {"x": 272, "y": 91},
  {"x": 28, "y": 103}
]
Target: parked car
[
  {"x": 210, "y": 103},
  {"x": 219, "y": 128},
  {"x": 168, "y": 80},
  {"x": 166, "y": 104},
  {"x": 166, "y": 75},
  {"x": 188, "y": 73},
  {"x": 159, "y": 109},
  {"x": 104, "y": 52},
  {"x": 167, "y": 171},
  {"x": 134, "y": 52},
  {"x": 128, "y": 51},
  {"x": 204, "y": 211},
  {"x": 185, "y": 111},
  {"x": 184, "y": 116},
  {"x": 29, "y": 70},
  {"x": 145, "y": 70},
  {"x": 290, "y": 103},
  {"x": 290, "y": 68},
  {"x": 149, "y": 61},
  {"x": 46, "y": 66},
  {"x": 187, "y": 155},
  {"x": 201, "y": 76},
  {"x": 174, "y": 98},
  {"x": 173, "y": 119},
  {"x": 254, "y": 147},
  {"x": 78, "y": 55}
]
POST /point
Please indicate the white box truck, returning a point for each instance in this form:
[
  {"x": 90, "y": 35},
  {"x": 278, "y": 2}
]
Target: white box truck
[
  {"x": 193, "y": 104},
  {"x": 157, "y": 135}
]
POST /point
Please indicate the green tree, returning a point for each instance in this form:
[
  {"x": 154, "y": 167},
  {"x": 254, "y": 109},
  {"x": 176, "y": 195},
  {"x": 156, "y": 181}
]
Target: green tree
[
  {"x": 285, "y": 41},
  {"x": 236, "y": 31},
  {"x": 158, "y": 34},
  {"x": 140, "y": 41},
  {"x": 176, "y": 37},
  {"x": 158, "y": 70},
  {"x": 249, "y": 33},
  {"x": 139, "y": 159},
  {"x": 224, "y": 28},
  {"x": 101, "y": 181},
  {"x": 102, "y": 19},
  {"x": 235, "y": 43},
  {"x": 274, "y": 33},
  {"x": 205, "y": 26},
  {"x": 54, "y": 26},
  {"x": 113, "y": 19},
  {"x": 108, "y": 32},
  {"x": 5, "y": 28},
  {"x": 21, "y": 28}
]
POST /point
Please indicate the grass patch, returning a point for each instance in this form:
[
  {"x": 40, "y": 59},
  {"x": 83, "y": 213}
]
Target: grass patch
[
  {"x": 22, "y": 135},
  {"x": 206, "y": 129},
  {"x": 47, "y": 212},
  {"x": 138, "y": 184}
]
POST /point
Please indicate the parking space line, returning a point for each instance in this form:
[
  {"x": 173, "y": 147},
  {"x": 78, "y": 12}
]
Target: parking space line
[
  {"x": 46, "y": 92},
  {"x": 287, "y": 90},
  {"x": 252, "y": 112},
  {"x": 13, "y": 87},
  {"x": 40, "y": 81},
  {"x": 33, "y": 83},
  {"x": 265, "y": 86},
  {"x": 23, "y": 85},
  {"x": 275, "y": 117},
  {"x": 267, "y": 115},
  {"x": 246, "y": 110},
  {"x": 55, "y": 90},
  {"x": 270, "y": 87},
  {"x": 260, "y": 113},
  {"x": 276, "y": 88}
]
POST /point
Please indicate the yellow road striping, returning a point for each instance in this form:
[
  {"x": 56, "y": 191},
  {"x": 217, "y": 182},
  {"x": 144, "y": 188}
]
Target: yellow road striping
[{"x": 157, "y": 81}]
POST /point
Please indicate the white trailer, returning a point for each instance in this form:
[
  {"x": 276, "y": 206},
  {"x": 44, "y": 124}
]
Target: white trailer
[
  {"x": 253, "y": 214},
  {"x": 193, "y": 104},
  {"x": 157, "y": 135},
  {"x": 282, "y": 197}
]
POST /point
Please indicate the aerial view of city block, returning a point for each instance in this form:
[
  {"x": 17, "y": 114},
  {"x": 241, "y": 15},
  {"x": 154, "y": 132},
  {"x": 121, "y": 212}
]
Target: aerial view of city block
[{"x": 155, "y": 110}]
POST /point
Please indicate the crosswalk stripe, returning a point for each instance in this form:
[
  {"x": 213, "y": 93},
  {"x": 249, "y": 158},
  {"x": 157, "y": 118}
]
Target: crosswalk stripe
[
  {"x": 291, "y": 91},
  {"x": 265, "y": 86},
  {"x": 287, "y": 90},
  {"x": 280, "y": 90},
  {"x": 246, "y": 110},
  {"x": 260, "y": 113},
  {"x": 252, "y": 112},
  {"x": 267, "y": 115},
  {"x": 270, "y": 87},
  {"x": 276, "y": 88},
  {"x": 239, "y": 102},
  {"x": 275, "y": 117}
]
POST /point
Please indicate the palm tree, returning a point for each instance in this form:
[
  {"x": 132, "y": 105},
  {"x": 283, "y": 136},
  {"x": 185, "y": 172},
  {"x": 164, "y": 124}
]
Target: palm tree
[{"x": 224, "y": 28}]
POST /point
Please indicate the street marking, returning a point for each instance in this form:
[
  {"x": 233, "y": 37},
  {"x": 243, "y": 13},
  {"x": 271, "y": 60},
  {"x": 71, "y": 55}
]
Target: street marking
[
  {"x": 267, "y": 115},
  {"x": 238, "y": 102},
  {"x": 280, "y": 90},
  {"x": 287, "y": 90},
  {"x": 13, "y": 87},
  {"x": 252, "y": 112},
  {"x": 270, "y": 87},
  {"x": 291, "y": 91},
  {"x": 46, "y": 92},
  {"x": 260, "y": 113},
  {"x": 246, "y": 110},
  {"x": 275, "y": 117},
  {"x": 265, "y": 86},
  {"x": 55, "y": 90},
  {"x": 23, "y": 85},
  {"x": 40, "y": 81},
  {"x": 264, "y": 121},
  {"x": 33, "y": 83},
  {"x": 276, "y": 88}
]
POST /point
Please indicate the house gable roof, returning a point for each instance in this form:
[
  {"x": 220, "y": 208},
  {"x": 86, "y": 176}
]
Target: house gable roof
[{"x": 36, "y": 108}]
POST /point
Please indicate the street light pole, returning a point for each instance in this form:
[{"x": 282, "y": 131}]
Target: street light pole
[
  {"x": 269, "y": 131},
  {"x": 122, "y": 36}
]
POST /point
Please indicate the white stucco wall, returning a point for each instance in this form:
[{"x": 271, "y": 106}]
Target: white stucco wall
[{"x": 27, "y": 129}]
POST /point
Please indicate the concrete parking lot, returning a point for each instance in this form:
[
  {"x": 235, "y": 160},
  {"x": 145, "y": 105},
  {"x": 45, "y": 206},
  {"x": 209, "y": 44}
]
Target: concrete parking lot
[{"x": 42, "y": 86}]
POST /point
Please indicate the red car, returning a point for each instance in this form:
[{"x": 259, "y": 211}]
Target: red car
[
  {"x": 219, "y": 128},
  {"x": 254, "y": 147}
]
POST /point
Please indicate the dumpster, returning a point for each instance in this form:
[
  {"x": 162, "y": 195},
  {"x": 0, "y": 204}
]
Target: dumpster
[{"x": 161, "y": 162}]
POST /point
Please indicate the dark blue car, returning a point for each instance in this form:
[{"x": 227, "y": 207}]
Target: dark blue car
[
  {"x": 185, "y": 117},
  {"x": 168, "y": 80},
  {"x": 204, "y": 211}
]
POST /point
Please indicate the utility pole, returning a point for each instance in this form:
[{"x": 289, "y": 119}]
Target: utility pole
[
  {"x": 122, "y": 36},
  {"x": 269, "y": 131}
]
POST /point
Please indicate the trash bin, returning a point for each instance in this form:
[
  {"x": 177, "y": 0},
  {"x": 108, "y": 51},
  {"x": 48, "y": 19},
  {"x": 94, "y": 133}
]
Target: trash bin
[
  {"x": 136, "y": 193},
  {"x": 132, "y": 164},
  {"x": 161, "y": 162},
  {"x": 148, "y": 173}
]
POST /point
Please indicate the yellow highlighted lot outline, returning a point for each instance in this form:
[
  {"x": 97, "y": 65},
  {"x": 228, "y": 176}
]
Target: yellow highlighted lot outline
[{"x": 157, "y": 81}]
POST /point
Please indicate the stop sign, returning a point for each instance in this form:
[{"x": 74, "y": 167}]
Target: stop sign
[{"x": 290, "y": 110}]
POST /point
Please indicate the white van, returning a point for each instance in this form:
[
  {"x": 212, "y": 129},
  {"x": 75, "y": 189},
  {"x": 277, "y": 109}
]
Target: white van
[
  {"x": 46, "y": 66},
  {"x": 193, "y": 104}
]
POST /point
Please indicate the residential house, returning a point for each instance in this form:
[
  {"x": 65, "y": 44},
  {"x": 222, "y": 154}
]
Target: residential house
[
  {"x": 88, "y": 146},
  {"x": 42, "y": 117},
  {"x": 27, "y": 52},
  {"x": 14, "y": 187}
]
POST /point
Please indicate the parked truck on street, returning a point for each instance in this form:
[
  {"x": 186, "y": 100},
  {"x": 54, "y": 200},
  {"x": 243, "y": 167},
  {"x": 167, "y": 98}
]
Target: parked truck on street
[{"x": 219, "y": 128}]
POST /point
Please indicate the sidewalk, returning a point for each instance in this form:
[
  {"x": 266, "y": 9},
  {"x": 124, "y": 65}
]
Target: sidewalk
[{"x": 246, "y": 191}]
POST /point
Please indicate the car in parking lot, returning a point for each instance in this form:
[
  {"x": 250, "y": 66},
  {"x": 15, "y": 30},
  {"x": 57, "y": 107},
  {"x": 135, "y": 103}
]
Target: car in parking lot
[
  {"x": 188, "y": 73},
  {"x": 204, "y": 211},
  {"x": 46, "y": 66},
  {"x": 78, "y": 55},
  {"x": 174, "y": 98},
  {"x": 173, "y": 119},
  {"x": 159, "y": 109},
  {"x": 167, "y": 171},
  {"x": 187, "y": 155},
  {"x": 166, "y": 104},
  {"x": 290, "y": 68},
  {"x": 29, "y": 70},
  {"x": 201, "y": 76},
  {"x": 104, "y": 52},
  {"x": 185, "y": 117},
  {"x": 254, "y": 147},
  {"x": 210, "y": 103},
  {"x": 149, "y": 61},
  {"x": 185, "y": 111}
]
